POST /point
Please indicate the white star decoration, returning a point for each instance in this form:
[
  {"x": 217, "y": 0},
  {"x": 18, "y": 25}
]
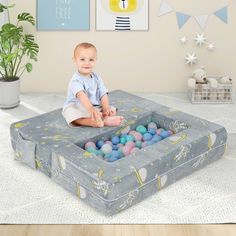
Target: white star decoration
[
  {"x": 210, "y": 46},
  {"x": 191, "y": 58},
  {"x": 200, "y": 39},
  {"x": 183, "y": 40}
]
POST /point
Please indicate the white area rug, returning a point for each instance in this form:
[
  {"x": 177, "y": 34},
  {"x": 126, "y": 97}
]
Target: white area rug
[{"x": 206, "y": 196}]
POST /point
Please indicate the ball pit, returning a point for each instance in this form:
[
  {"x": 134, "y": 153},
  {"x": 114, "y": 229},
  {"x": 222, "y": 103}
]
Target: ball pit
[{"x": 128, "y": 142}]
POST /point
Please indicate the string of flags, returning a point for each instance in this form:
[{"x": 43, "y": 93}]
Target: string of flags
[{"x": 183, "y": 17}]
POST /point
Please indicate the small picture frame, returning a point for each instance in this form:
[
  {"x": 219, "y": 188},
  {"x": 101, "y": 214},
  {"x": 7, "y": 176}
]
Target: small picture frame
[
  {"x": 125, "y": 15},
  {"x": 63, "y": 15}
]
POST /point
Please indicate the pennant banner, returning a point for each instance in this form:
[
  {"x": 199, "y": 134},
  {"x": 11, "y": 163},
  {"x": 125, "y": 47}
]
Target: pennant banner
[
  {"x": 222, "y": 14},
  {"x": 182, "y": 17},
  {"x": 202, "y": 20},
  {"x": 165, "y": 8}
]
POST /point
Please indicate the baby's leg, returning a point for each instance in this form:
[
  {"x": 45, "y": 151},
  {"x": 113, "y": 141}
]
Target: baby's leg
[
  {"x": 89, "y": 122},
  {"x": 113, "y": 120}
]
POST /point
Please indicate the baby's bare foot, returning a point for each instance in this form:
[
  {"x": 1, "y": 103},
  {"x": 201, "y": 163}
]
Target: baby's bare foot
[{"x": 113, "y": 120}]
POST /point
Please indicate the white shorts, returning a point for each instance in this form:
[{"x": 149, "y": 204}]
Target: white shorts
[{"x": 74, "y": 112}]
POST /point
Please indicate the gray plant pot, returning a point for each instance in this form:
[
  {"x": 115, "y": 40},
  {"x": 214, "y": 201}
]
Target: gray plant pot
[{"x": 9, "y": 93}]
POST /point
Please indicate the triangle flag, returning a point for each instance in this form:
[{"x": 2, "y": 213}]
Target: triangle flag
[
  {"x": 222, "y": 14},
  {"x": 182, "y": 18},
  {"x": 202, "y": 20},
  {"x": 165, "y": 8}
]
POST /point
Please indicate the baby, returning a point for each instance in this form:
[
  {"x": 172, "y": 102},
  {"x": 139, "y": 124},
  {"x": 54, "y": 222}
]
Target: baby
[{"x": 87, "y": 102}]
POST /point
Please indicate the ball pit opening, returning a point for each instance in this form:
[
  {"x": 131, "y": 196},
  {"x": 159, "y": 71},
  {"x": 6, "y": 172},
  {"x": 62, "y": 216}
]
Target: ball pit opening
[{"x": 127, "y": 142}]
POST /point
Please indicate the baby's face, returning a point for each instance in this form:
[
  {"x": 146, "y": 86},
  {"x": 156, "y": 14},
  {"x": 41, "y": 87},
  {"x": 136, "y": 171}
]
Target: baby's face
[{"x": 85, "y": 59}]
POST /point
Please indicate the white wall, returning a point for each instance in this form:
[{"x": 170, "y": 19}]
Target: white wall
[{"x": 137, "y": 61}]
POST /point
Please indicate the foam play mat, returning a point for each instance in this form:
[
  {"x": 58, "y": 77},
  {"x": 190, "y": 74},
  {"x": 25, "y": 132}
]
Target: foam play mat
[{"x": 46, "y": 143}]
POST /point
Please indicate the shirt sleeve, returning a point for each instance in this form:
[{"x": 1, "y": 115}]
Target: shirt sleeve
[
  {"x": 76, "y": 86},
  {"x": 101, "y": 87}
]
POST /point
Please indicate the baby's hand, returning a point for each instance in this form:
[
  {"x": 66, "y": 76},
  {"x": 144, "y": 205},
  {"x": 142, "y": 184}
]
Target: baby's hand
[
  {"x": 109, "y": 112},
  {"x": 95, "y": 115}
]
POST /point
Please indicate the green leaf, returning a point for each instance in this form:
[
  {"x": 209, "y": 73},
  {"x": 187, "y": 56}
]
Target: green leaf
[
  {"x": 29, "y": 67},
  {"x": 2, "y": 7},
  {"x": 26, "y": 17}
]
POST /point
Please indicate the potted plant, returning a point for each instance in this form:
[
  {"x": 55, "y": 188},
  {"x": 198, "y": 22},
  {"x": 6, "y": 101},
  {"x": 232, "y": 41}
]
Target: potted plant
[{"x": 17, "y": 50}]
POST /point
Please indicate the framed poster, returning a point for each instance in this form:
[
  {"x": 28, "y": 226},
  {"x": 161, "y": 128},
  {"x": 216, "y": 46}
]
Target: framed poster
[
  {"x": 63, "y": 14},
  {"x": 122, "y": 15}
]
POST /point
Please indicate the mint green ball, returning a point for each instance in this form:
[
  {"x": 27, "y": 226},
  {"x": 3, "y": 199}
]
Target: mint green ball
[{"x": 141, "y": 129}]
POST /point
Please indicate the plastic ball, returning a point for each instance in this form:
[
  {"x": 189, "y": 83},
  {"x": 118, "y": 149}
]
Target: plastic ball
[
  {"x": 122, "y": 140},
  {"x": 132, "y": 132},
  {"x": 151, "y": 142},
  {"x": 115, "y": 140},
  {"x": 156, "y": 138},
  {"x": 112, "y": 159},
  {"x": 126, "y": 150},
  {"x": 115, "y": 154},
  {"x": 107, "y": 156},
  {"x": 115, "y": 147},
  {"x": 147, "y": 136},
  {"x": 92, "y": 150},
  {"x": 164, "y": 134},
  {"x": 152, "y": 131},
  {"x": 100, "y": 143},
  {"x": 89, "y": 144},
  {"x": 152, "y": 125},
  {"x": 141, "y": 129},
  {"x": 129, "y": 138},
  {"x": 99, "y": 153},
  {"x": 108, "y": 142},
  {"x": 138, "y": 136},
  {"x": 106, "y": 148},
  {"x": 138, "y": 144},
  {"x": 130, "y": 144}
]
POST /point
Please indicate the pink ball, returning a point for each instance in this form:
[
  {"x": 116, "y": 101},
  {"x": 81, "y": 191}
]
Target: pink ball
[
  {"x": 138, "y": 136},
  {"x": 130, "y": 144},
  {"x": 132, "y": 132},
  {"x": 89, "y": 144},
  {"x": 126, "y": 150}
]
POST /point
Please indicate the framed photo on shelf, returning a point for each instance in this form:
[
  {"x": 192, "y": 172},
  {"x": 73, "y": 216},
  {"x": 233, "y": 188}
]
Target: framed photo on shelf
[{"x": 63, "y": 15}]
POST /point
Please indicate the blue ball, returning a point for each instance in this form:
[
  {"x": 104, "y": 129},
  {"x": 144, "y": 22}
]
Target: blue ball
[
  {"x": 107, "y": 156},
  {"x": 152, "y": 131},
  {"x": 147, "y": 136},
  {"x": 115, "y": 154},
  {"x": 156, "y": 138},
  {"x": 165, "y": 134},
  {"x": 100, "y": 143},
  {"x": 112, "y": 159},
  {"x": 115, "y": 139},
  {"x": 114, "y": 147}
]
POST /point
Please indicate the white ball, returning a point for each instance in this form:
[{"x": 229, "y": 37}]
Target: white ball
[{"x": 106, "y": 148}]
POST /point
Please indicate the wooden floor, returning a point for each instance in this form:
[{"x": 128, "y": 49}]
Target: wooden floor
[{"x": 118, "y": 230}]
